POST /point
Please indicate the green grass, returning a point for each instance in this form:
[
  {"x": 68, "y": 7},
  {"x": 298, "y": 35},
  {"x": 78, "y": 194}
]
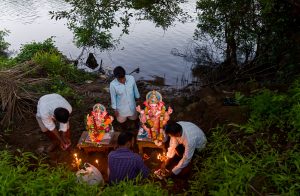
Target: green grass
[
  {"x": 259, "y": 157},
  {"x": 25, "y": 174}
]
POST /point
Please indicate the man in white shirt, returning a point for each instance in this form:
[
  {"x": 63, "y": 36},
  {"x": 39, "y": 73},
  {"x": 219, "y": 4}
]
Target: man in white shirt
[
  {"x": 187, "y": 134},
  {"x": 52, "y": 109},
  {"x": 123, "y": 92}
]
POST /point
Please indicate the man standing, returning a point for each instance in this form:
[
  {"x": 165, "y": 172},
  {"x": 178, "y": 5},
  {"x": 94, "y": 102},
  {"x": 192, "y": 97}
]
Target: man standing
[
  {"x": 123, "y": 163},
  {"x": 123, "y": 92},
  {"x": 52, "y": 109},
  {"x": 186, "y": 135}
]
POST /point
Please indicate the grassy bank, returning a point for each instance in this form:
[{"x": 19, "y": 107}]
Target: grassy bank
[{"x": 259, "y": 157}]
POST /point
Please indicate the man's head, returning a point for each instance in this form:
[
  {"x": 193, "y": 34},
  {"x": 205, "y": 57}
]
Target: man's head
[
  {"x": 125, "y": 139},
  {"x": 119, "y": 73},
  {"x": 173, "y": 129},
  {"x": 61, "y": 115}
]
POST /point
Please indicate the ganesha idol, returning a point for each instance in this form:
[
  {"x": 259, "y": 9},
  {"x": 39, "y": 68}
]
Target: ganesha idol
[
  {"x": 153, "y": 118},
  {"x": 98, "y": 123}
]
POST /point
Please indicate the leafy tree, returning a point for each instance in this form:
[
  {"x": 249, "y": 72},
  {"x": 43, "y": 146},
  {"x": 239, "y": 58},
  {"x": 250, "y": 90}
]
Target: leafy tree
[
  {"x": 3, "y": 44},
  {"x": 92, "y": 20},
  {"x": 162, "y": 12},
  {"x": 263, "y": 31},
  {"x": 231, "y": 24}
]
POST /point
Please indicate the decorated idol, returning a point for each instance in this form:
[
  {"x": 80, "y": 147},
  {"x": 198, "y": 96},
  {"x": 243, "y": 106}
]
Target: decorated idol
[
  {"x": 98, "y": 123},
  {"x": 153, "y": 117}
]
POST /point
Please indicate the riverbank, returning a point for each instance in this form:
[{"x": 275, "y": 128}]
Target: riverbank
[{"x": 251, "y": 127}]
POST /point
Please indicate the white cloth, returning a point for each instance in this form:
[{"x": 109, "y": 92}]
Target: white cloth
[
  {"x": 45, "y": 110},
  {"x": 90, "y": 175},
  {"x": 192, "y": 137},
  {"x": 123, "y": 96}
]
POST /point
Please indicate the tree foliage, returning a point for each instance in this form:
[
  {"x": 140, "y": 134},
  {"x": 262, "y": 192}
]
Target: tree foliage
[
  {"x": 92, "y": 20},
  {"x": 249, "y": 29},
  {"x": 3, "y": 44}
]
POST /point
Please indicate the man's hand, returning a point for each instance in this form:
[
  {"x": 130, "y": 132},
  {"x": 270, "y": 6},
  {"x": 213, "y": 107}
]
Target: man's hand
[
  {"x": 63, "y": 145},
  {"x": 66, "y": 142},
  {"x": 165, "y": 164},
  {"x": 65, "y": 137}
]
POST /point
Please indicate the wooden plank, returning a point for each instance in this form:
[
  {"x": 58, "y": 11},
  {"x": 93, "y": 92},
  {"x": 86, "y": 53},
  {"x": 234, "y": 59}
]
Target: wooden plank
[
  {"x": 148, "y": 144},
  {"x": 94, "y": 147}
]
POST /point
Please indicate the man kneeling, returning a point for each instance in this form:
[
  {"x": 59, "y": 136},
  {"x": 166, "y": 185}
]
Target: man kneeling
[
  {"x": 52, "y": 109},
  {"x": 123, "y": 163},
  {"x": 186, "y": 135}
]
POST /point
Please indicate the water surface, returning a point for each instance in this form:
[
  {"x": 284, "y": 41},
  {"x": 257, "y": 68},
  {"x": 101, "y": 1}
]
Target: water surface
[{"x": 146, "y": 46}]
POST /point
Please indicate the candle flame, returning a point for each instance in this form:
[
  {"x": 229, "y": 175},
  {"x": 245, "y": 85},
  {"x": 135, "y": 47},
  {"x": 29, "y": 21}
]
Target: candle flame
[
  {"x": 162, "y": 157},
  {"x": 96, "y": 161},
  {"x": 77, "y": 161}
]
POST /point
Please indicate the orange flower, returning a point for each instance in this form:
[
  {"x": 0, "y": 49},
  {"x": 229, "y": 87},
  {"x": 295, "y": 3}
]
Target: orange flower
[
  {"x": 89, "y": 120},
  {"x": 107, "y": 121}
]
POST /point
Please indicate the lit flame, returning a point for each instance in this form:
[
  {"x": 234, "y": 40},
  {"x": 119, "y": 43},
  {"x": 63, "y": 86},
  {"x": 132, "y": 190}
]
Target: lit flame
[
  {"x": 77, "y": 161},
  {"x": 162, "y": 157},
  {"x": 97, "y": 161}
]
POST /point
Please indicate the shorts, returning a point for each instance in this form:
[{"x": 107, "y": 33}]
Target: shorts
[
  {"x": 122, "y": 119},
  {"x": 42, "y": 126}
]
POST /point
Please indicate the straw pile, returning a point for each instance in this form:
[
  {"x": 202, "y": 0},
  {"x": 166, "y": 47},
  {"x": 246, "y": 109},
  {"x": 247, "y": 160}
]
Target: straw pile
[{"x": 16, "y": 102}]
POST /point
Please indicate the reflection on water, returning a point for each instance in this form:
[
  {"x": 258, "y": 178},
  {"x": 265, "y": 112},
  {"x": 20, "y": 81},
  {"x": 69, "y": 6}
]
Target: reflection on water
[{"x": 146, "y": 46}]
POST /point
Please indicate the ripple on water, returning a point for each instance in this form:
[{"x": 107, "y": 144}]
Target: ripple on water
[{"x": 28, "y": 11}]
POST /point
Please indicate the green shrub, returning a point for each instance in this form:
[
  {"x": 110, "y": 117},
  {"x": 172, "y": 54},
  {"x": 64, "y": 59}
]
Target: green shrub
[
  {"x": 3, "y": 44},
  {"x": 268, "y": 108},
  {"x": 225, "y": 171},
  {"x": 29, "y": 50},
  {"x": 270, "y": 166},
  {"x": 55, "y": 65},
  {"x": 6, "y": 62}
]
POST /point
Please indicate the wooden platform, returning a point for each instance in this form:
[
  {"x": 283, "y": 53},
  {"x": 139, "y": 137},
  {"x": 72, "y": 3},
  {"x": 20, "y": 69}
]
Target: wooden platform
[
  {"x": 107, "y": 146},
  {"x": 104, "y": 146},
  {"x": 148, "y": 144}
]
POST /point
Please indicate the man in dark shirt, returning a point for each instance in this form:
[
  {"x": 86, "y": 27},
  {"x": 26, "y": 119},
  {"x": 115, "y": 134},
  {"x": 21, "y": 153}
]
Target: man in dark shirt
[{"x": 123, "y": 163}]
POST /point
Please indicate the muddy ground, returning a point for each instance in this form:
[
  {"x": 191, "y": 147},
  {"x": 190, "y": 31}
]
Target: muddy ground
[{"x": 203, "y": 107}]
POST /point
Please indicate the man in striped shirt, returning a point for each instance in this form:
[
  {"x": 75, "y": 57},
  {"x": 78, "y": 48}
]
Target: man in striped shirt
[{"x": 123, "y": 163}]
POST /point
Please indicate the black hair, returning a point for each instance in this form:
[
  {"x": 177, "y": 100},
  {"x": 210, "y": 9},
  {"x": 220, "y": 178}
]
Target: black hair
[
  {"x": 61, "y": 115},
  {"x": 173, "y": 128},
  {"x": 124, "y": 137},
  {"x": 119, "y": 72}
]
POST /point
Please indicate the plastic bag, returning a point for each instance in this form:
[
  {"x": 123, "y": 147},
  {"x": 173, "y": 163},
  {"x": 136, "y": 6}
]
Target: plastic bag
[{"x": 90, "y": 175}]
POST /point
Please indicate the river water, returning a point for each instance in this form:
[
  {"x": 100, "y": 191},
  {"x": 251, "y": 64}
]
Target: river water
[{"x": 147, "y": 47}]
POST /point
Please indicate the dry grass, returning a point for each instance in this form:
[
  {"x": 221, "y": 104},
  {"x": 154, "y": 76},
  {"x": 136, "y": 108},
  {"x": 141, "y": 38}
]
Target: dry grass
[{"x": 17, "y": 102}]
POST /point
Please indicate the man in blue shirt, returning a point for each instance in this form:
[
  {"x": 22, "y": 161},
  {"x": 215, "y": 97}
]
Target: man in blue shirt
[
  {"x": 123, "y": 163},
  {"x": 123, "y": 92}
]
